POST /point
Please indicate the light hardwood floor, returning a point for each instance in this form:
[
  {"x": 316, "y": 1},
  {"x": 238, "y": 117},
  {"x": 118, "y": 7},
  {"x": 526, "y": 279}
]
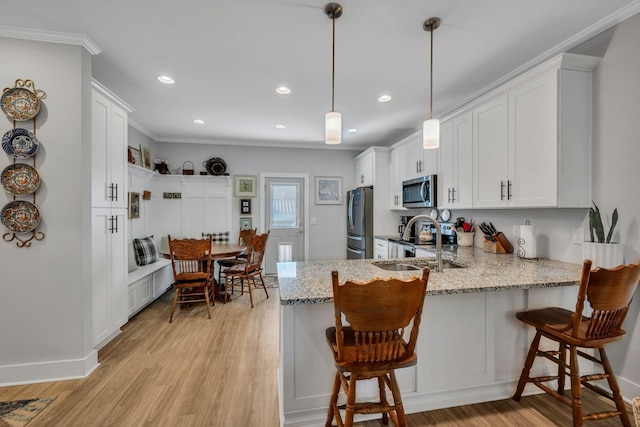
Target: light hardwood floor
[{"x": 222, "y": 372}]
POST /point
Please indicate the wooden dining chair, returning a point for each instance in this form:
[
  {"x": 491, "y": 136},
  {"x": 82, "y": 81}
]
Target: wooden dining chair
[
  {"x": 608, "y": 293},
  {"x": 249, "y": 273},
  {"x": 244, "y": 238},
  {"x": 372, "y": 345},
  {"x": 192, "y": 275}
]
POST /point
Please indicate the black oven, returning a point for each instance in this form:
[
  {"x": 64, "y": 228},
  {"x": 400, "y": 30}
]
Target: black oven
[{"x": 419, "y": 192}]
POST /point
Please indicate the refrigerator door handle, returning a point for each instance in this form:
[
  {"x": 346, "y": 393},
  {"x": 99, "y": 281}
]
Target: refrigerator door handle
[
  {"x": 359, "y": 252},
  {"x": 350, "y": 212}
]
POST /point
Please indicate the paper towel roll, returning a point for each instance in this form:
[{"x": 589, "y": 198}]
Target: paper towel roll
[{"x": 527, "y": 241}]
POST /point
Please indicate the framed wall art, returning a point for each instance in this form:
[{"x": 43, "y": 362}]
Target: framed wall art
[
  {"x": 244, "y": 185},
  {"x": 328, "y": 190},
  {"x": 134, "y": 205},
  {"x": 146, "y": 157},
  {"x": 135, "y": 158},
  {"x": 246, "y": 223},
  {"x": 245, "y": 206}
]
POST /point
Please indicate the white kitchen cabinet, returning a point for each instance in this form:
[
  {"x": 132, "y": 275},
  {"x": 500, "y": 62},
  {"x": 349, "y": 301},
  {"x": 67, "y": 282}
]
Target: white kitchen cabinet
[
  {"x": 532, "y": 142},
  {"x": 490, "y": 153},
  {"x": 373, "y": 165},
  {"x": 365, "y": 169},
  {"x": 455, "y": 174},
  {"x": 140, "y": 294},
  {"x": 109, "y": 179},
  {"x": 109, "y": 271},
  {"x": 380, "y": 248},
  {"x": 108, "y": 149},
  {"x": 396, "y": 166}
]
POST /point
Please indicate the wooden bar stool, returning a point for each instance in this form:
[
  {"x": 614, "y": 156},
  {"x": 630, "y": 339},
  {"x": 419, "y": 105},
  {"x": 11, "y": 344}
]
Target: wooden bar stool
[
  {"x": 372, "y": 344},
  {"x": 608, "y": 293}
]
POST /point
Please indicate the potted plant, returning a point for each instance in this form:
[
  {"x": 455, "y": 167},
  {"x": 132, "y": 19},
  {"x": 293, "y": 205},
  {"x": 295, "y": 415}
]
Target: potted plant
[{"x": 602, "y": 251}]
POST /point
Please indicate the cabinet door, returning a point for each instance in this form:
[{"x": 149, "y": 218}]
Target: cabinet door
[
  {"x": 490, "y": 139},
  {"x": 108, "y": 153},
  {"x": 533, "y": 142},
  {"x": 446, "y": 181},
  {"x": 415, "y": 159},
  {"x": 395, "y": 177},
  {"x": 364, "y": 171},
  {"x": 462, "y": 195},
  {"x": 109, "y": 269}
]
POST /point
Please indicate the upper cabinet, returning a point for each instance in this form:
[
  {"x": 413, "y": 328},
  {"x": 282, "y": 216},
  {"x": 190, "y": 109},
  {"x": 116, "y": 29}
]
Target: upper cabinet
[
  {"x": 409, "y": 160},
  {"x": 532, "y": 138},
  {"x": 455, "y": 174},
  {"x": 108, "y": 149},
  {"x": 365, "y": 169}
]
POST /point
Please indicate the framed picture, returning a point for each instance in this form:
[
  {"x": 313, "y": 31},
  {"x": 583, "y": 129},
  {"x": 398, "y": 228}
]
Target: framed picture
[
  {"x": 135, "y": 158},
  {"x": 146, "y": 157},
  {"x": 328, "y": 190},
  {"x": 134, "y": 205},
  {"x": 245, "y": 206},
  {"x": 246, "y": 223},
  {"x": 244, "y": 185}
]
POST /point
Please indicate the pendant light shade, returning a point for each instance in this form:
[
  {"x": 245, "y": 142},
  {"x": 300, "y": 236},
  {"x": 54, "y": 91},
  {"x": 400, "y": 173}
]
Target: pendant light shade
[
  {"x": 333, "y": 119},
  {"x": 431, "y": 127},
  {"x": 333, "y": 128},
  {"x": 430, "y": 134}
]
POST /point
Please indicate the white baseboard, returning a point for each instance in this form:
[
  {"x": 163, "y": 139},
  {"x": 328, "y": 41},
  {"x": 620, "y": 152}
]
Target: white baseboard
[{"x": 41, "y": 372}]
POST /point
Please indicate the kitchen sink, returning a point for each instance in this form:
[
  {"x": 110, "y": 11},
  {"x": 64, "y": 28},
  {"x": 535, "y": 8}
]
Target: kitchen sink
[
  {"x": 397, "y": 266},
  {"x": 415, "y": 265}
]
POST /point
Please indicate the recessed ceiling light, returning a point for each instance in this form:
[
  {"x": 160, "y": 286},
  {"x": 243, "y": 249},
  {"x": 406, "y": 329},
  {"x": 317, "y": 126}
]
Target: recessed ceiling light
[
  {"x": 283, "y": 90},
  {"x": 384, "y": 98},
  {"x": 280, "y": 126},
  {"x": 198, "y": 121},
  {"x": 166, "y": 80},
  {"x": 352, "y": 130}
]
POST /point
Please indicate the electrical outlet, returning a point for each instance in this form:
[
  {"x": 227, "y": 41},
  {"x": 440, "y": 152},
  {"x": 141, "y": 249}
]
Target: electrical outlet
[
  {"x": 516, "y": 231},
  {"x": 577, "y": 236}
]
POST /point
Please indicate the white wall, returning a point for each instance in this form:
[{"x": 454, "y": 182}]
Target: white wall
[
  {"x": 328, "y": 236},
  {"x": 45, "y": 309},
  {"x": 616, "y": 169}
]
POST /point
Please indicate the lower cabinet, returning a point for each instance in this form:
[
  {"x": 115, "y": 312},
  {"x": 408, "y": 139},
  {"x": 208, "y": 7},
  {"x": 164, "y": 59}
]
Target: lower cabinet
[
  {"x": 109, "y": 270},
  {"x": 140, "y": 294},
  {"x": 380, "y": 248},
  {"x": 146, "y": 288}
]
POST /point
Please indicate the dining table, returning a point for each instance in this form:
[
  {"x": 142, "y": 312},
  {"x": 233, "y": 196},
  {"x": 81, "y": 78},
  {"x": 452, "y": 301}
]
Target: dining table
[{"x": 218, "y": 251}]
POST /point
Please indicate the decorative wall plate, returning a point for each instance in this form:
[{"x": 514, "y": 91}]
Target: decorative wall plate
[
  {"x": 20, "y": 104},
  {"x": 20, "y": 143},
  {"x": 20, "y": 179},
  {"x": 20, "y": 216},
  {"x": 215, "y": 166}
]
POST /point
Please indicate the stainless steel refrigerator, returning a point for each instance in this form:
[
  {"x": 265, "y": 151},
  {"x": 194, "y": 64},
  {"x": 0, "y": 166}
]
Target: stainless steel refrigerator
[{"x": 360, "y": 223}]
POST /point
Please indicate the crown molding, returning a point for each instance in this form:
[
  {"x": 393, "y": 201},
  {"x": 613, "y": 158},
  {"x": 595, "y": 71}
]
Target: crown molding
[{"x": 50, "y": 37}]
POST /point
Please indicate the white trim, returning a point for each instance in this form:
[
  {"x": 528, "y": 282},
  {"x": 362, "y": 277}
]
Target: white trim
[
  {"x": 40, "y": 372},
  {"x": 112, "y": 96},
  {"x": 50, "y": 37}
]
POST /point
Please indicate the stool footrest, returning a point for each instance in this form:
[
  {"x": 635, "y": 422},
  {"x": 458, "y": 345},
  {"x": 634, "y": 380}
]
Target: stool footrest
[{"x": 370, "y": 408}]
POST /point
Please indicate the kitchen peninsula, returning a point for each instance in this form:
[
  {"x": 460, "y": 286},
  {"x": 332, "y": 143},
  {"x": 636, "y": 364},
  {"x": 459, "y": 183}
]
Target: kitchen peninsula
[{"x": 470, "y": 347}]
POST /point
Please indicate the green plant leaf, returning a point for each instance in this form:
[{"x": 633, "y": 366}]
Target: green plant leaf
[
  {"x": 599, "y": 228},
  {"x": 591, "y": 222},
  {"x": 614, "y": 221}
]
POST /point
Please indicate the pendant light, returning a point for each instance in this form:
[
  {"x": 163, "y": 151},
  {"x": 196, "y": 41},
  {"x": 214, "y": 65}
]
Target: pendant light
[
  {"x": 333, "y": 119},
  {"x": 431, "y": 127}
]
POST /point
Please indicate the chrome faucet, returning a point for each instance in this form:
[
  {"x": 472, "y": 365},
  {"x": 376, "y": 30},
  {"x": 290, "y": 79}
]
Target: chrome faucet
[{"x": 407, "y": 233}]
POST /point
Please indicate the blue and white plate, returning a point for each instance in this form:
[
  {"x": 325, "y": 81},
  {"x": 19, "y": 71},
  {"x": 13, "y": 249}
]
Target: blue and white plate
[{"x": 20, "y": 143}]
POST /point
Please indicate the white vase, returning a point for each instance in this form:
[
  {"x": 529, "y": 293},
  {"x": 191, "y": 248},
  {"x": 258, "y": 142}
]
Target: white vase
[{"x": 607, "y": 255}]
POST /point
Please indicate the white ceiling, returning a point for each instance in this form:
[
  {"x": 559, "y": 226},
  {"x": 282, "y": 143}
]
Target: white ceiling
[{"x": 229, "y": 56}]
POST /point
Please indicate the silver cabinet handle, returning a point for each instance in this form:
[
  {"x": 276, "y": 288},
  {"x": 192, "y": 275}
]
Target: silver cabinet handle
[
  {"x": 453, "y": 195},
  {"x": 509, "y": 190},
  {"x": 501, "y": 190}
]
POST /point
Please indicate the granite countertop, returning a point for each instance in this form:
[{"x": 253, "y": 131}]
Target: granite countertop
[{"x": 310, "y": 282}]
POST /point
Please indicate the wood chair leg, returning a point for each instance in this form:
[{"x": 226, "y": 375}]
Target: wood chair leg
[
  {"x": 562, "y": 375},
  {"x": 524, "y": 376},
  {"x": 249, "y": 281},
  {"x": 173, "y": 306},
  {"x": 615, "y": 389},
  {"x": 334, "y": 400},
  {"x": 576, "y": 403},
  {"x": 383, "y": 399},
  {"x": 207, "y": 301},
  {"x": 263, "y": 285},
  {"x": 351, "y": 401},
  {"x": 397, "y": 400}
]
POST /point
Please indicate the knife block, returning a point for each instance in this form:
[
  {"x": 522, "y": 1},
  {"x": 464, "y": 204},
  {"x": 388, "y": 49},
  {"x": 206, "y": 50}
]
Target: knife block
[{"x": 500, "y": 246}]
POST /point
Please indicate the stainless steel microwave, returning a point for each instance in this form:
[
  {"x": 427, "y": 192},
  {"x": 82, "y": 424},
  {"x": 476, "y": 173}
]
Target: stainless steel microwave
[{"x": 420, "y": 192}]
